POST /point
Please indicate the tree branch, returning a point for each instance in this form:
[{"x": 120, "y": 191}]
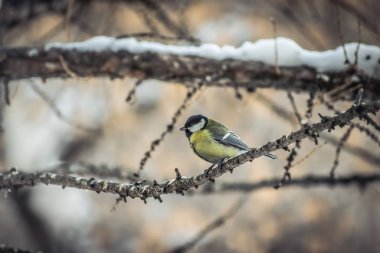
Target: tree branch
[
  {"x": 27, "y": 62},
  {"x": 307, "y": 181},
  {"x": 180, "y": 184},
  {"x": 7, "y": 249}
]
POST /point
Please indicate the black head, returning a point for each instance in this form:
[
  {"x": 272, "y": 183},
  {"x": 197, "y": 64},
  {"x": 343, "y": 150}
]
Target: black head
[{"x": 194, "y": 123}]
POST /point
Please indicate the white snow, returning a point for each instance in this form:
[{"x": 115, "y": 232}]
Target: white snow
[
  {"x": 32, "y": 52},
  {"x": 290, "y": 54}
]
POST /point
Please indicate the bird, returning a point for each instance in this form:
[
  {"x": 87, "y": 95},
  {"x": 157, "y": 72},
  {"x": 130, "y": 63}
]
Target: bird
[{"x": 212, "y": 141}]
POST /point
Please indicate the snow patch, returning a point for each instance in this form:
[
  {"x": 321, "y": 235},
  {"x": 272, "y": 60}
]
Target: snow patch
[
  {"x": 290, "y": 54},
  {"x": 32, "y": 52}
]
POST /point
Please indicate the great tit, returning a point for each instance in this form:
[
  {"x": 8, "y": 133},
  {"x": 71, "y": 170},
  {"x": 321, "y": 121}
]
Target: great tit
[{"x": 212, "y": 141}]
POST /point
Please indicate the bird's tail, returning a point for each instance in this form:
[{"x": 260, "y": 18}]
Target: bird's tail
[{"x": 271, "y": 156}]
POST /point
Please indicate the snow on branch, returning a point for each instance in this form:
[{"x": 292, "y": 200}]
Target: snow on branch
[
  {"x": 250, "y": 65},
  {"x": 180, "y": 184}
]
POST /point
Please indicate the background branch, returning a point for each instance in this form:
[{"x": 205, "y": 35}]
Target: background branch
[
  {"x": 218, "y": 222},
  {"x": 233, "y": 73},
  {"x": 307, "y": 181}
]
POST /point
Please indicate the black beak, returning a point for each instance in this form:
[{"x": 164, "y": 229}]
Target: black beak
[{"x": 182, "y": 129}]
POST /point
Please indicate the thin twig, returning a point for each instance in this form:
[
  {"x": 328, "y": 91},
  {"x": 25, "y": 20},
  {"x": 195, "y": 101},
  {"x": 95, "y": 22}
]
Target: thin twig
[
  {"x": 148, "y": 21},
  {"x": 153, "y": 36},
  {"x": 371, "y": 122},
  {"x": 163, "y": 17},
  {"x": 69, "y": 11},
  {"x": 346, "y": 5},
  {"x": 310, "y": 104},
  {"x": 277, "y": 109},
  {"x": 358, "y": 45},
  {"x": 66, "y": 68},
  {"x": 338, "y": 89},
  {"x": 6, "y": 92},
  {"x": 290, "y": 159},
  {"x": 58, "y": 112},
  {"x": 131, "y": 94},
  {"x": 341, "y": 38},
  {"x": 169, "y": 128},
  {"x": 218, "y": 222},
  {"x": 342, "y": 141},
  {"x": 362, "y": 153},
  {"x": 277, "y": 67},
  {"x": 308, "y": 155},
  {"x": 295, "y": 110},
  {"x": 359, "y": 97},
  {"x": 368, "y": 133}
]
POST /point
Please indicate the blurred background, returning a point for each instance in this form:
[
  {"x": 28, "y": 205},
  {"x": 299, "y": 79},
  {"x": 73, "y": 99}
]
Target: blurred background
[{"x": 52, "y": 121}]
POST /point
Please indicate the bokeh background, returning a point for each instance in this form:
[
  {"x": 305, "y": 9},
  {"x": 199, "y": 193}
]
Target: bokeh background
[{"x": 318, "y": 219}]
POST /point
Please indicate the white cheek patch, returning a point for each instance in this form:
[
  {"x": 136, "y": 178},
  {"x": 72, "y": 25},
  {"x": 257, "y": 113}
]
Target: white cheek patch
[{"x": 198, "y": 126}]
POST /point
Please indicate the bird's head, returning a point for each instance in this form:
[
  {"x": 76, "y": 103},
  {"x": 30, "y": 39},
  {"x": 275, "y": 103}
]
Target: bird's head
[{"x": 194, "y": 123}]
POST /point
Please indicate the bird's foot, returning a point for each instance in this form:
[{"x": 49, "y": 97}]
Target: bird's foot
[{"x": 207, "y": 171}]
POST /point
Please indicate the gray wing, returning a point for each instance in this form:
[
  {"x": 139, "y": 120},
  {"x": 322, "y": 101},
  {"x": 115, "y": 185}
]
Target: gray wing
[{"x": 231, "y": 139}]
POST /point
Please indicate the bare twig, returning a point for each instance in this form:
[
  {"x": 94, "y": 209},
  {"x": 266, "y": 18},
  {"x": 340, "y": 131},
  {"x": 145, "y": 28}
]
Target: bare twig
[
  {"x": 162, "y": 16},
  {"x": 362, "y": 153},
  {"x": 310, "y": 104},
  {"x": 346, "y": 5},
  {"x": 359, "y": 97},
  {"x": 338, "y": 89},
  {"x": 371, "y": 122},
  {"x": 290, "y": 159},
  {"x": 169, "y": 128},
  {"x": 308, "y": 155},
  {"x": 131, "y": 94},
  {"x": 277, "y": 109},
  {"x": 341, "y": 38},
  {"x": 148, "y": 20},
  {"x": 6, "y": 91},
  {"x": 218, "y": 222},
  {"x": 66, "y": 68},
  {"x": 359, "y": 41},
  {"x": 342, "y": 141},
  {"x": 294, "y": 107},
  {"x": 277, "y": 67},
  {"x": 153, "y": 36},
  {"x": 330, "y": 106},
  {"x": 58, "y": 112},
  {"x": 69, "y": 11},
  {"x": 368, "y": 133}
]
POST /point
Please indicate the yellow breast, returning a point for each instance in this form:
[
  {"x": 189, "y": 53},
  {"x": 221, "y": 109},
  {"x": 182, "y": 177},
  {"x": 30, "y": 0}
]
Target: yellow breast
[{"x": 209, "y": 149}]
